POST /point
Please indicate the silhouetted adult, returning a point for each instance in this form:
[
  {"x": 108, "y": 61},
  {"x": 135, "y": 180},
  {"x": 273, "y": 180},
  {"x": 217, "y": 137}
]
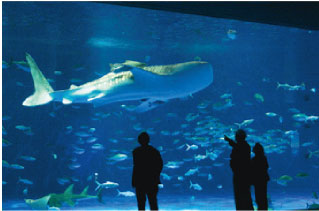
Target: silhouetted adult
[
  {"x": 260, "y": 176},
  {"x": 147, "y": 168},
  {"x": 240, "y": 164}
]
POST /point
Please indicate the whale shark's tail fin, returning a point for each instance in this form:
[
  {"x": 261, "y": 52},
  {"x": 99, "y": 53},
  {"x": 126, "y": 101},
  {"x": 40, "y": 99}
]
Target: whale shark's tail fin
[{"x": 42, "y": 87}]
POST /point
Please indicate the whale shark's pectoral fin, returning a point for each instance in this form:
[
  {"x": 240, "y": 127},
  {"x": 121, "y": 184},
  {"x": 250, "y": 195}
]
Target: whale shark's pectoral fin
[{"x": 148, "y": 104}]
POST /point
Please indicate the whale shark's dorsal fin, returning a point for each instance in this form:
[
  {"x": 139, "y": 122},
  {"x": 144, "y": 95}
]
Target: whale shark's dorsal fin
[{"x": 73, "y": 86}]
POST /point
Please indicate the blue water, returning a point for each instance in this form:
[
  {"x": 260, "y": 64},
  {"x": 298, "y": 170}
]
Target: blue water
[{"x": 74, "y": 43}]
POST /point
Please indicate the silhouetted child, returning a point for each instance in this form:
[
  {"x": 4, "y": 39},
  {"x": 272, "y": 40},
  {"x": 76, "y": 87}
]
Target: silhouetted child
[
  {"x": 260, "y": 176},
  {"x": 147, "y": 168},
  {"x": 240, "y": 164}
]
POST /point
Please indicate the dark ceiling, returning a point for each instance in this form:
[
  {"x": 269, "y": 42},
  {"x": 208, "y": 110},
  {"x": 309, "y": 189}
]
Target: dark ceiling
[{"x": 301, "y": 14}]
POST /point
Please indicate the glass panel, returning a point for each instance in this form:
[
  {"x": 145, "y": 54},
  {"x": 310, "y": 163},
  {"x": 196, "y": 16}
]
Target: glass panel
[{"x": 87, "y": 108}]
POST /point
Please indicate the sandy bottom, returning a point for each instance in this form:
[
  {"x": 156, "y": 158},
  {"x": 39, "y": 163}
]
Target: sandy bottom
[{"x": 173, "y": 202}]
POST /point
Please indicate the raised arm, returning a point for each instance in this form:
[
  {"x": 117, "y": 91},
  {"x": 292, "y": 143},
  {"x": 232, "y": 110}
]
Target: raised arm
[{"x": 230, "y": 141}]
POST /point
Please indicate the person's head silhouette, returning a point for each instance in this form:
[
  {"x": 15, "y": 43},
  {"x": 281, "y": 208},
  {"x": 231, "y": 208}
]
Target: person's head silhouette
[
  {"x": 258, "y": 149},
  {"x": 240, "y": 135},
  {"x": 143, "y": 139}
]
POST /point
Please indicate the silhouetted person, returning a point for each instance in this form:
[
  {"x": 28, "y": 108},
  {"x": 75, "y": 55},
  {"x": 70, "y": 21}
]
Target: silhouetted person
[
  {"x": 240, "y": 164},
  {"x": 147, "y": 168},
  {"x": 260, "y": 176}
]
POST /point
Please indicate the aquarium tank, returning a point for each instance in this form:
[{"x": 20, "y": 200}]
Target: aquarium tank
[{"x": 81, "y": 81}]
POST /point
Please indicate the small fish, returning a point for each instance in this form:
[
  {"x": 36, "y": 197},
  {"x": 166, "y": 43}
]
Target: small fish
[
  {"x": 174, "y": 164},
  {"x": 180, "y": 178},
  {"x": 271, "y": 114},
  {"x": 92, "y": 129},
  {"x": 285, "y": 178},
  {"x": 118, "y": 157},
  {"x": 184, "y": 125},
  {"x": 28, "y": 132},
  {"x": 245, "y": 123},
  {"x": 302, "y": 175},
  {"x": 79, "y": 151},
  {"x": 83, "y": 134},
  {"x": 300, "y": 117},
  {"x": 125, "y": 193},
  {"x": 25, "y": 191},
  {"x": 171, "y": 115},
  {"x": 203, "y": 105},
  {"x": 306, "y": 144},
  {"x": 137, "y": 127},
  {"x": 25, "y": 181},
  {"x": 28, "y": 158},
  {"x": 218, "y": 164},
  {"x": 57, "y": 73},
  {"x": 200, "y": 157},
  {"x": 219, "y": 186},
  {"x": 191, "y": 117},
  {"x": 259, "y": 97},
  {"x": 191, "y": 172},
  {"x": 22, "y": 127},
  {"x": 210, "y": 177},
  {"x": 165, "y": 176},
  {"x": 74, "y": 179},
  {"x": 106, "y": 185},
  {"x": 293, "y": 110},
  {"x": 91, "y": 140},
  {"x": 97, "y": 146},
  {"x": 280, "y": 119},
  {"x": 54, "y": 156},
  {"x": 226, "y": 95},
  {"x": 266, "y": 80},
  {"x": 195, "y": 186},
  {"x": 22, "y": 65},
  {"x": 192, "y": 147},
  {"x": 63, "y": 181},
  {"x": 73, "y": 166},
  {"x": 17, "y": 166},
  {"x": 19, "y": 84},
  {"x": 165, "y": 133},
  {"x": 313, "y": 90}
]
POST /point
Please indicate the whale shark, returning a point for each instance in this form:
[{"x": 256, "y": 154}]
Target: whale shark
[{"x": 126, "y": 81}]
